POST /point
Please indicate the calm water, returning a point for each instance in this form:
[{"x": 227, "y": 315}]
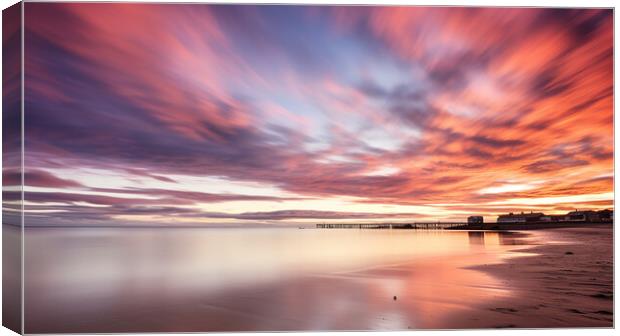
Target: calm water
[{"x": 196, "y": 279}]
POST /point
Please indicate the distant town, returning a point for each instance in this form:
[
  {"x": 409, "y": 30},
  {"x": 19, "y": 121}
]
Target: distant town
[
  {"x": 589, "y": 216},
  {"x": 538, "y": 220}
]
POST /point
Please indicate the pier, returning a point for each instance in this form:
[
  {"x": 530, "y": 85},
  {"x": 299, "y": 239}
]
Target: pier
[{"x": 407, "y": 226}]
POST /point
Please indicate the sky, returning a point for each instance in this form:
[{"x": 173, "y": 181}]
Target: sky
[{"x": 178, "y": 114}]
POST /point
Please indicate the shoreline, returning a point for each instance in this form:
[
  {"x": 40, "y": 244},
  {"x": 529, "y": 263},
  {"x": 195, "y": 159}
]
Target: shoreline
[
  {"x": 566, "y": 280},
  {"x": 501, "y": 280}
]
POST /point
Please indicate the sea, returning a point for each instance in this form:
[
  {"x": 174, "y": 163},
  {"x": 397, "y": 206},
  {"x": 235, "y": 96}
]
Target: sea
[{"x": 173, "y": 279}]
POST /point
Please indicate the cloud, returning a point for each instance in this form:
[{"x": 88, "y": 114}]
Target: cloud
[
  {"x": 139, "y": 197},
  {"x": 311, "y": 100},
  {"x": 36, "y": 178},
  {"x": 193, "y": 197},
  {"x": 308, "y": 214},
  {"x": 496, "y": 143}
]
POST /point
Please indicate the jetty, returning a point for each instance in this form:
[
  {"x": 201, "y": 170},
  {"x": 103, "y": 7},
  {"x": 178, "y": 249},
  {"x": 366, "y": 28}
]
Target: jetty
[{"x": 405, "y": 226}]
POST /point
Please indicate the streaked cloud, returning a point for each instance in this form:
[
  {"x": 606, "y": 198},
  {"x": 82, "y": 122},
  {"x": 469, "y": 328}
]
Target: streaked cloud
[{"x": 160, "y": 112}]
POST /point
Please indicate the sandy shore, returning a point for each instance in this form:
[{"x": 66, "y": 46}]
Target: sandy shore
[
  {"x": 568, "y": 283},
  {"x": 564, "y": 279}
]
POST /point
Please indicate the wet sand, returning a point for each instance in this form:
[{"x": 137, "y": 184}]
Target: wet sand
[
  {"x": 502, "y": 280},
  {"x": 354, "y": 300},
  {"x": 568, "y": 283}
]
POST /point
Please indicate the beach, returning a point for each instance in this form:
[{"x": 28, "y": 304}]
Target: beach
[
  {"x": 567, "y": 283},
  {"x": 311, "y": 280}
]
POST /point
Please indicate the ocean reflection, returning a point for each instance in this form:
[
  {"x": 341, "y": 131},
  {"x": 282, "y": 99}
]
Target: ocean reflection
[
  {"x": 188, "y": 279},
  {"x": 476, "y": 237}
]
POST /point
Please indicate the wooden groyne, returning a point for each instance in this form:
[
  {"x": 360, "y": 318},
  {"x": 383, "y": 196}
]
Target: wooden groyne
[{"x": 409, "y": 226}]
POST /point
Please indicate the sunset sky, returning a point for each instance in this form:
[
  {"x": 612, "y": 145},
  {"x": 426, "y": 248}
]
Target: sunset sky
[{"x": 221, "y": 114}]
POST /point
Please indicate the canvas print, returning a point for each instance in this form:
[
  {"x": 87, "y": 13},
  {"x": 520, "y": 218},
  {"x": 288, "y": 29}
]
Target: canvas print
[{"x": 197, "y": 167}]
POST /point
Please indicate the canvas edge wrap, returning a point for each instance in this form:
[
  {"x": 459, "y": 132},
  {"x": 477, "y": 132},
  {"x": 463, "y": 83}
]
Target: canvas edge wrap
[{"x": 12, "y": 169}]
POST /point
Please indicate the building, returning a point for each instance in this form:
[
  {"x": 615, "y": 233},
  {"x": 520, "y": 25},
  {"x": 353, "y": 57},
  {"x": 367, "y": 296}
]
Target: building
[
  {"x": 475, "y": 220},
  {"x": 586, "y": 216},
  {"x": 553, "y": 218},
  {"x": 606, "y": 215},
  {"x": 522, "y": 217},
  {"x": 558, "y": 218},
  {"x": 583, "y": 216}
]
